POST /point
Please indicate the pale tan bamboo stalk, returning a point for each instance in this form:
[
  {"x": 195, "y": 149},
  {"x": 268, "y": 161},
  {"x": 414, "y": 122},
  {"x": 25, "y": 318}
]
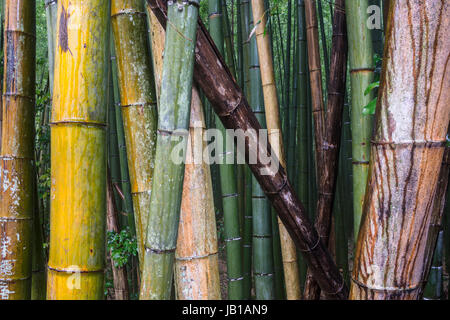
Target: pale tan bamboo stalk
[
  {"x": 289, "y": 253},
  {"x": 196, "y": 256}
]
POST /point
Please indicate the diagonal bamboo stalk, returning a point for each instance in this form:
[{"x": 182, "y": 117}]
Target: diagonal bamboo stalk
[
  {"x": 291, "y": 276},
  {"x": 196, "y": 257},
  {"x": 328, "y": 141},
  {"x": 412, "y": 119},
  {"x": 78, "y": 152},
  {"x": 173, "y": 120},
  {"x": 138, "y": 104},
  {"x": 17, "y": 151},
  {"x": 234, "y": 111}
]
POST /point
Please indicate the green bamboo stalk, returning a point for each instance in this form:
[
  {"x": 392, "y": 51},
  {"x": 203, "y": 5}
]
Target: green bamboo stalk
[
  {"x": 434, "y": 287},
  {"x": 51, "y": 10},
  {"x": 302, "y": 122},
  {"x": 248, "y": 222},
  {"x": 361, "y": 75},
  {"x": 228, "y": 180},
  {"x": 127, "y": 207},
  {"x": 263, "y": 258},
  {"x": 326, "y": 59},
  {"x": 287, "y": 69},
  {"x": 174, "y": 111},
  {"x": 17, "y": 151},
  {"x": 229, "y": 50},
  {"x": 113, "y": 150}
]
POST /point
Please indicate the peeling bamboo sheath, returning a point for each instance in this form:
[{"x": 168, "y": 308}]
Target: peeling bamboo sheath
[
  {"x": 138, "y": 103},
  {"x": 78, "y": 151},
  {"x": 173, "y": 115},
  {"x": 233, "y": 108},
  {"x": 17, "y": 151},
  {"x": 291, "y": 276},
  {"x": 407, "y": 150},
  {"x": 196, "y": 256},
  {"x": 360, "y": 53},
  {"x": 327, "y": 140}
]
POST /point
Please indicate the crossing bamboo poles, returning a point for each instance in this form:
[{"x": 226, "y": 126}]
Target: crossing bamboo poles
[
  {"x": 327, "y": 123},
  {"x": 361, "y": 75},
  {"x": 78, "y": 151},
  {"x": 17, "y": 151},
  {"x": 196, "y": 256},
  {"x": 173, "y": 121},
  {"x": 291, "y": 276},
  {"x": 212, "y": 75},
  {"x": 406, "y": 153},
  {"x": 233, "y": 239},
  {"x": 138, "y": 104}
]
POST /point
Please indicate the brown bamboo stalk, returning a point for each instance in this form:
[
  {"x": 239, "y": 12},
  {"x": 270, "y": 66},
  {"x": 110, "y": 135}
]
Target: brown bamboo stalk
[
  {"x": 329, "y": 140},
  {"x": 196, "y": 256},
  {"x": 120, "y": 279},
  {"x": 406, "y": 153},
  {"x": 228, "y": 101},
  {"x": 289, "y": 253}
]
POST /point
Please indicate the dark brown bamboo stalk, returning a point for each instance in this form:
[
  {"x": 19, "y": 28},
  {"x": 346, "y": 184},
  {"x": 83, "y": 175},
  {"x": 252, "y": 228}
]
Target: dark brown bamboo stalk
[
  {"x": 120, "y": 278},
  {"x": 412, "y": 118},
  {"x": 228, "y": 101},
  {"x": 327, "y": 149}
]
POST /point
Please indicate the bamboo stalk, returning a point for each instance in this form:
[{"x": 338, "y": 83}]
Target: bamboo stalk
[
  {"x": 39, "y": 260},
  {"x": 78, "y": 152},
  {"x": 302, "y": 121},
  {"x": 233, "y": 239},
  {"x": 407, "y": 149},
  {"x": 51, "y": 10},
  {"x": 17, "y": 151},
  {"x": 434, "y": 286},
  {"x": 120, "y": 278},
  {"x": 196, "y": 256},
  {"x": 247, "y": 237},
  {"x": 361, "y": 75},
  {"x": 291, "y": 275},
  {"x": 263, "y": 257},
  {"x": 211, "y": 74},
  {"x": 174, "y": 107},
  {"x": 138, "y": 104},
  {"x": 327, "y": 140}
]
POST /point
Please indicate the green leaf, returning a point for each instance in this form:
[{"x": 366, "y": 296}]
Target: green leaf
[
  {"x": 370, "y": 107},
  {"x": 371, "y": 86}
]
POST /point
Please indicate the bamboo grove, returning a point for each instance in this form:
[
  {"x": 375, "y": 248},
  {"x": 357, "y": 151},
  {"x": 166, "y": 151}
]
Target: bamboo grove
[{"x": 224, "y": 149}]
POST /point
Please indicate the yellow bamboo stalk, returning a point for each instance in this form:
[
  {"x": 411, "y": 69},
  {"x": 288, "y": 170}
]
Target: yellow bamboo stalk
[
  {"x": 196, "y": 256},
  {"x": 17, "y": 151},
  {"x": 157, "y": 38},
  {"x": 138, "y": 103},
  {"x": 78, "y": 151},
  {"x": 289, "y": 253}
]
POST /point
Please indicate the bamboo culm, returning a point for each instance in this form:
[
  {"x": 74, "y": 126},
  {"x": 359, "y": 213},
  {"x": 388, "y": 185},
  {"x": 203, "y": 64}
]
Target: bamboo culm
[{"x": 173, "y": 116}]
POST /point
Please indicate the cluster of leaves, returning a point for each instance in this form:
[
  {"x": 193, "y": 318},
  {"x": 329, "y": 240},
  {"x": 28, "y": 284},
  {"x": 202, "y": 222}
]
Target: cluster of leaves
[
  {"x": 122, "y": 246},
  {"x": 370, "y": 108}
]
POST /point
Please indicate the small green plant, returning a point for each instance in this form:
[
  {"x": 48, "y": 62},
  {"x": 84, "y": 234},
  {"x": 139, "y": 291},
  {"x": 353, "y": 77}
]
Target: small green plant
[
  {"x": 370, "y": 108},
  {"x": 122, "y": 246}
]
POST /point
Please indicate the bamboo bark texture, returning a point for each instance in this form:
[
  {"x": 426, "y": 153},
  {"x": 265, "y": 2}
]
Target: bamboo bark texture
[
  {"x": 17, "y": 151},
  {"x": 78, "y": 151},
  {"x": 138, "y": 104},
  {"x": 407, "y": 149},
  {"x": 173, "y": 121},
  {"x": 289, "y": 253},
  {"x": 219, "y": 86},
  {"x": 196, "y": 256}
]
